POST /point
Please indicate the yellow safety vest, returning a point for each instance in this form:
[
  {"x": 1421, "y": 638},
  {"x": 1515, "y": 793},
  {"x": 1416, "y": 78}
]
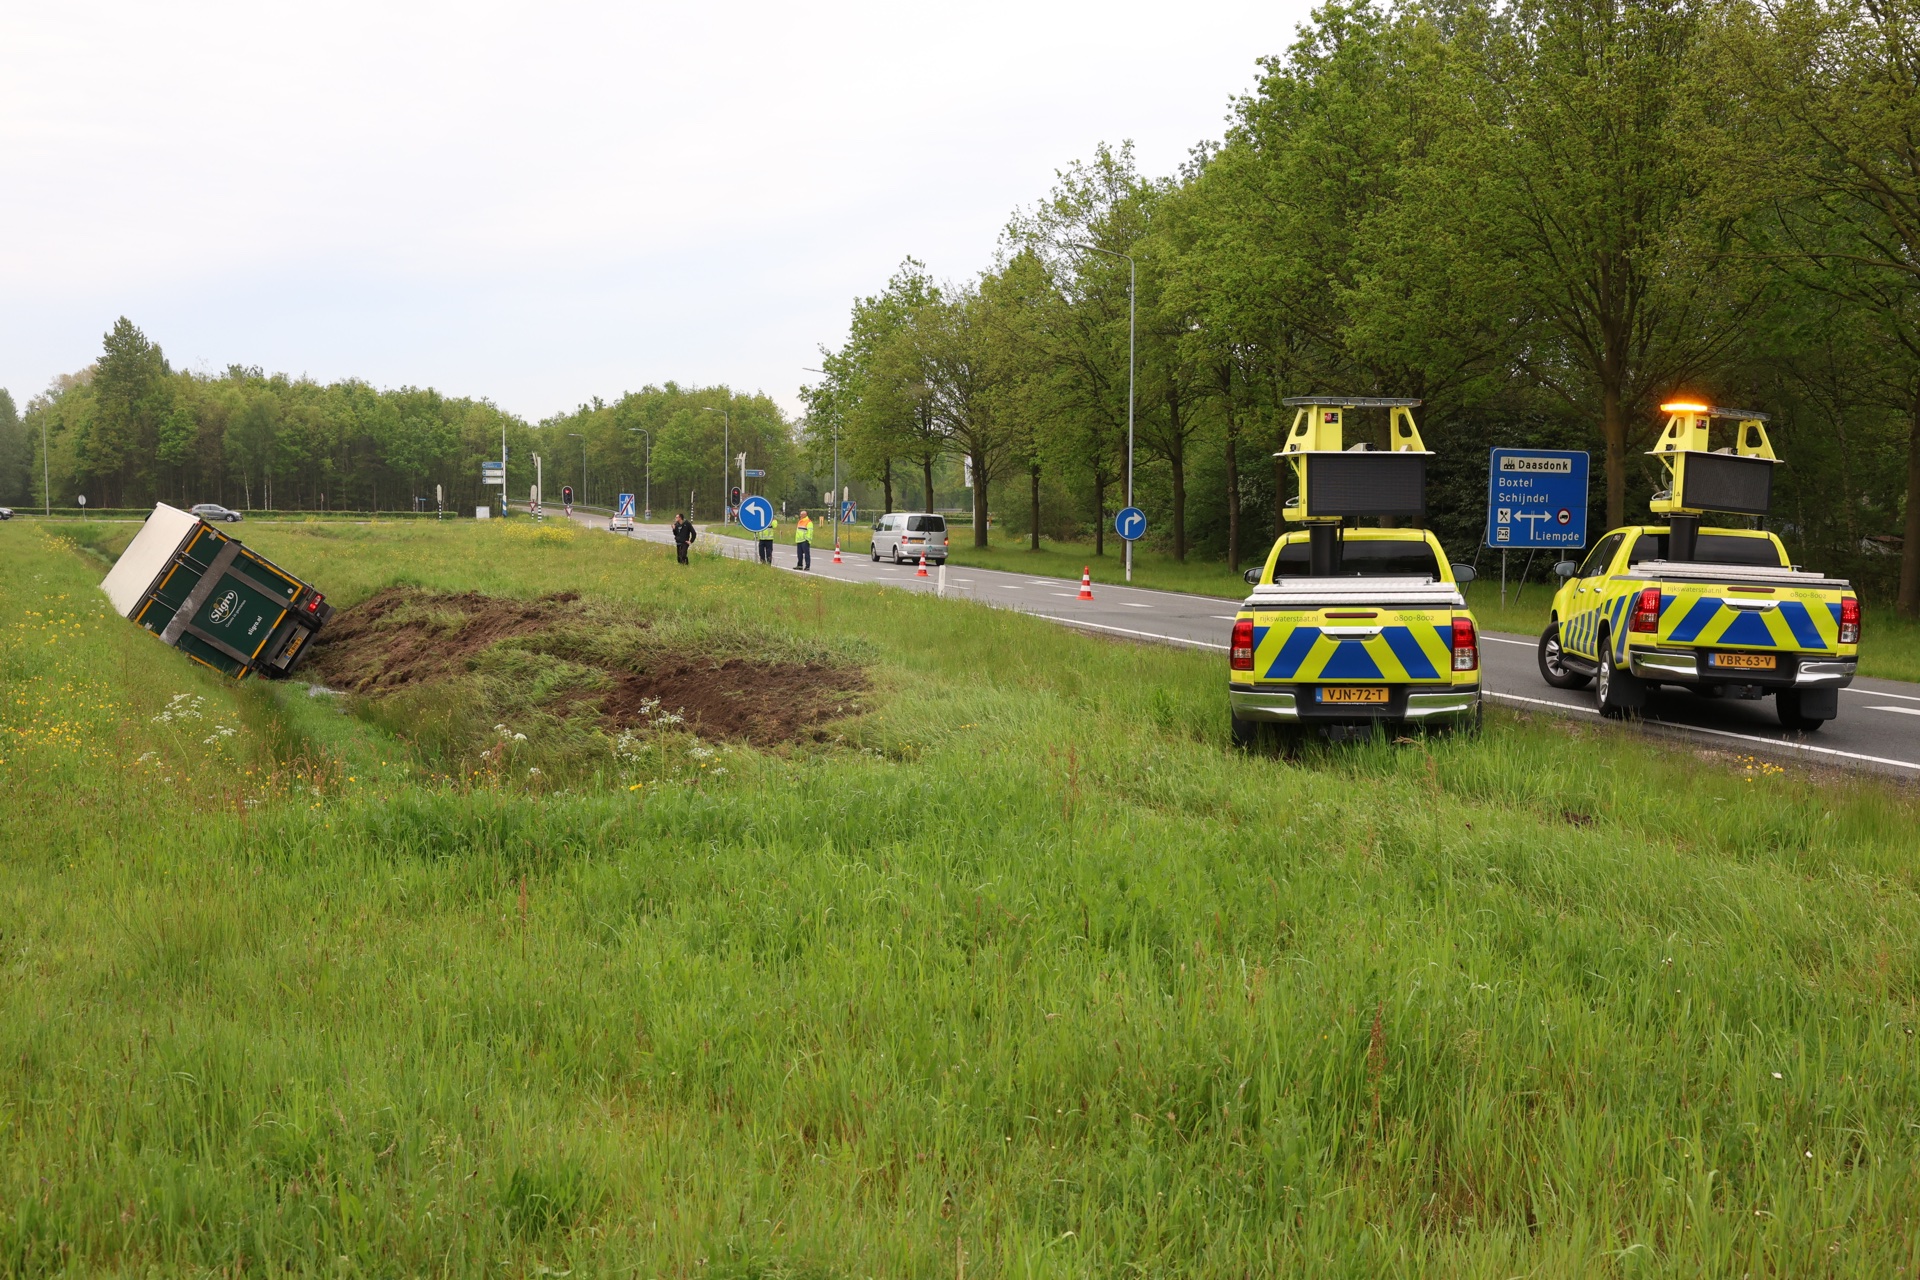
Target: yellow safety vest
[{"x": 802, "y": 532}]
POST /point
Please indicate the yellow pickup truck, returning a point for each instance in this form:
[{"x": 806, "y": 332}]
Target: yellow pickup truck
[
  {"x": 1735, "y": 617},
  {"x": 1720, "y": 611},
  {"x": 1385, "y": 636}
]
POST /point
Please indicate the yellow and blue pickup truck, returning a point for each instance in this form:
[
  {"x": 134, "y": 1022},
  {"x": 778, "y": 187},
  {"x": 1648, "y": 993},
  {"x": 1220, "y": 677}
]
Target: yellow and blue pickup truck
[
  {"x": 1719, "y": 611},
  {"x": 1734, "y": 617},
  {"x": 1386, "y": 636}
]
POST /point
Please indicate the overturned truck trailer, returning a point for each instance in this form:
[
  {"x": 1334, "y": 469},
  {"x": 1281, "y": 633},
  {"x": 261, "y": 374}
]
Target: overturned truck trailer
[{"x": 205, "y": 594}]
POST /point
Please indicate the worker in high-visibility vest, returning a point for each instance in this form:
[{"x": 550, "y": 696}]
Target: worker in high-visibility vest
[
  {"x": 803, "y": 542},
  {"x": 766, "y": 540}
]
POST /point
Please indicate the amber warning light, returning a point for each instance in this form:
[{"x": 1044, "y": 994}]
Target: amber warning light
[{"x": 1683, "y": 406}]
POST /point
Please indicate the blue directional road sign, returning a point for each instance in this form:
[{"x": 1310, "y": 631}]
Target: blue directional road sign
[
  {"x": 1536, "y": 498},
  {"x": 752, "y": 474},
  {"x": 756, "y": 513},
  {"x": 1130, "y": 523},
  {"x": 625, "y": 508}
]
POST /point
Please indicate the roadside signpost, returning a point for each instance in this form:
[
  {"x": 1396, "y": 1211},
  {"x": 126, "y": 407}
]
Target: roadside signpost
[
  {"x": 1130, "y": 523},
  {"x": 1536, "y": 498},
  {"x": 622, "y": 512},
  {"x": 754, "y": 474},
  {"x": 756, "y": 514}
]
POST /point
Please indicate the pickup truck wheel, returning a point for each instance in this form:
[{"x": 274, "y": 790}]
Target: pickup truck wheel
[
  {"x": 1246, "y": 733},
  {"x": 874, "y": 553},
  {"x": 1554, "y": 671},
  {"x": 1615, "y": 692},
  {"x": 1793, "y": 714}
]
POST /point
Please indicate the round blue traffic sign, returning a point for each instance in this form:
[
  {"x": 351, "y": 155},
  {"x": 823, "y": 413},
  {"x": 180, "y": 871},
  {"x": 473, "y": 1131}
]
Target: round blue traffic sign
[
  {"x": 756, "y": 513},
  {"x": 1131, "y": 523}
]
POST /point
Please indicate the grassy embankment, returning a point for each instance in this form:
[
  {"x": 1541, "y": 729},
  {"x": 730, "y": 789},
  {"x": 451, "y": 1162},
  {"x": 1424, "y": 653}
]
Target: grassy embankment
[{"x": 1021, "y": 970}]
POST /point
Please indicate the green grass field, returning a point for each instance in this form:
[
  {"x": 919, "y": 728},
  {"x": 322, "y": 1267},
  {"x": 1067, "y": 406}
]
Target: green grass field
[{"x": 1015, "y": 970}]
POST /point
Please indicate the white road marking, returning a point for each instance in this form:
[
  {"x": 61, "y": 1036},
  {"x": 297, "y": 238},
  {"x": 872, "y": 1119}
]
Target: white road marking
[
  {"x": 1543, "y": 702},
  {"x": 1224, "y": 617},
  {"x": 1721, "y": 733},
  {"x": 1127, "y": 631},
  {"x": 1131, "y": 605},
  {"x": 1070, "y": 595},
  {"x": 1899, "y": 711},
  {"x": 1524, "y": 644},
  {"x": 1875, "y": 693}
]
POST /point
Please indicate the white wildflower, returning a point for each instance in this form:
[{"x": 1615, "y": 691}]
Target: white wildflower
[{"x": 519, "y": 737}]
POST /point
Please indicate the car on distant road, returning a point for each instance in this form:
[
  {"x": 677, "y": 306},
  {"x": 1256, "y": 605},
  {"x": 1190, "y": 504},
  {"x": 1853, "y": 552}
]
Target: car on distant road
[
  {"x": 211, "y": 511},
  {"x": 905, "y": 536},
  {"x": 6, "y": 513}
]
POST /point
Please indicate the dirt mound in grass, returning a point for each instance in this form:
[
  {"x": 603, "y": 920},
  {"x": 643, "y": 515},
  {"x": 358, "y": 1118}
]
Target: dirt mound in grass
[{"x": 404, "y": 637}]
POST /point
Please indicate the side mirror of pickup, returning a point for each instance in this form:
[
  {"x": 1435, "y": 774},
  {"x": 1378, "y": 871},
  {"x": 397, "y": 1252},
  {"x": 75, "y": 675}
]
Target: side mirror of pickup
[
  {"x": 1463, "y": 574},
  {"x": 1565, "y": 569},
  {"x": 1252, "y": 576}
]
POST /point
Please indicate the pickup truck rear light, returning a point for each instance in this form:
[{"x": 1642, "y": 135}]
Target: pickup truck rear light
[
  {"x": 1850, "y": 620},
  {"x": 1242, "y": 645},
  {"x": 1646, "y": 611},
  {"x": 1466, "y": 646},
  {"x": 314, "y": 601}
]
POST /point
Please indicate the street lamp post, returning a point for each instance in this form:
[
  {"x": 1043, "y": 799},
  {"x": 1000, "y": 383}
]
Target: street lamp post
[
  {"x": 583, "y": 465},
  {"x": 46, "y": 482},
  {"x": 1132, "y": 279},
  {"x": 836, "y": 468},
  {"x": 726, "y": 447},
  {"x": 648, "y": 500}
]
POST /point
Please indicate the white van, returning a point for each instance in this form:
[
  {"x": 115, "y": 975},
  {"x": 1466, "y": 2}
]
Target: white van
[{"x": 905, "y": 536}]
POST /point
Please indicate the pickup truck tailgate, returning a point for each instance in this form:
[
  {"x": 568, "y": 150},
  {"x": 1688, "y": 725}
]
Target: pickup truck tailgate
[{"x": 1353, "y": 630}]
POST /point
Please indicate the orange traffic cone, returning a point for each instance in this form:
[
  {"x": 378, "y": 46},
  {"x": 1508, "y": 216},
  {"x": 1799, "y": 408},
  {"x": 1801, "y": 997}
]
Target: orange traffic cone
[
  {"x": 921, "y": 572},
  {"x": 1086, "y": 583},
  {"x": 836, "y": 553}
]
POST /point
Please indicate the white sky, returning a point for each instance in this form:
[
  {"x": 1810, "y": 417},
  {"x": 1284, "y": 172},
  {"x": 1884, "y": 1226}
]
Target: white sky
[{"x": 542, "y": 203}]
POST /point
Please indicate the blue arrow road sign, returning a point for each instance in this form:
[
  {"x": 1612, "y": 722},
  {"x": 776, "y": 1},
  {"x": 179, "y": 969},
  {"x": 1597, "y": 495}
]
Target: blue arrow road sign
[
  {"x": 755, "y": 475},
  {"x": 1536, "y": 498},
  {"x": 756, "y": 513},
  {"x": 1131, "y": 523}
]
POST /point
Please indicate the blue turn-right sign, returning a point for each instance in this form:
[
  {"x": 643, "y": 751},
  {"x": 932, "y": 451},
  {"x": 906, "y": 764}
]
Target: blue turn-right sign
[
  {"x": 1130, "y": 523},
  {"x": 1537, "y": 498},
  {"x": 756, "y": 513}
]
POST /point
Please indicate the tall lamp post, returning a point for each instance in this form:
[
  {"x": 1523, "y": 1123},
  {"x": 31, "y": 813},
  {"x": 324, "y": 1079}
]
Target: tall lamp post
[
  {"x": 1131, "y": 279},
  {"x": 583, "y": 465},
  {"x": 46, "y": 482},
  {"x": 836, "y": 468},
  {"x": 726, "y": 459},
  {"x": 648, "y": 500}
]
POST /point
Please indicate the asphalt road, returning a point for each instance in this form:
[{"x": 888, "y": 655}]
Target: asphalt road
[{"x": 1878, "y": 728}]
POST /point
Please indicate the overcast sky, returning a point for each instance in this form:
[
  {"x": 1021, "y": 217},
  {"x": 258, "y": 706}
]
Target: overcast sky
[{"x": 543, "y": 203}]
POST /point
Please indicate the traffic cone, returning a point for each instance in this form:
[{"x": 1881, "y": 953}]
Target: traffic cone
[
  {"x": 836, "y": 553},
  {"x": 1086, "y": 583},
  {"x": 921, "y": 572}
]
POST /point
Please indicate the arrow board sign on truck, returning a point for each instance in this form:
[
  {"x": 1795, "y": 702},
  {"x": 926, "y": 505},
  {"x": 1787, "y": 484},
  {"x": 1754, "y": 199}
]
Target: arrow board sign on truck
[{"x": 1536, "y": 498}]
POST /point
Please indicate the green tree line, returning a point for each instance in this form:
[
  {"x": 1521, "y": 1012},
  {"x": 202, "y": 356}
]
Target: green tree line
[
  {"x": 130, "y": 430},
  {"x": 1542, "y": 219}
]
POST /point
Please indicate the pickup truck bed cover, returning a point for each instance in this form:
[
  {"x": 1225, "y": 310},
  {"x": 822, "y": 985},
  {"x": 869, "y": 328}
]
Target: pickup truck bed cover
[
  {"x": 1360, "y": 593},
  {"x": 1754, "y": 575}
]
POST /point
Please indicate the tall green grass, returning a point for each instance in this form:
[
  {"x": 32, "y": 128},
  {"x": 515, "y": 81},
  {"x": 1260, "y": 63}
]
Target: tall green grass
[{"x": 1025, "y": 974}]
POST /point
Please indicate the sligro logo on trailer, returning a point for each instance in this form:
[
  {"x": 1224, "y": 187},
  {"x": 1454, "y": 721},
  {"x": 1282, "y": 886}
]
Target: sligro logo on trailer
[{"x": 224, "y": 608}]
